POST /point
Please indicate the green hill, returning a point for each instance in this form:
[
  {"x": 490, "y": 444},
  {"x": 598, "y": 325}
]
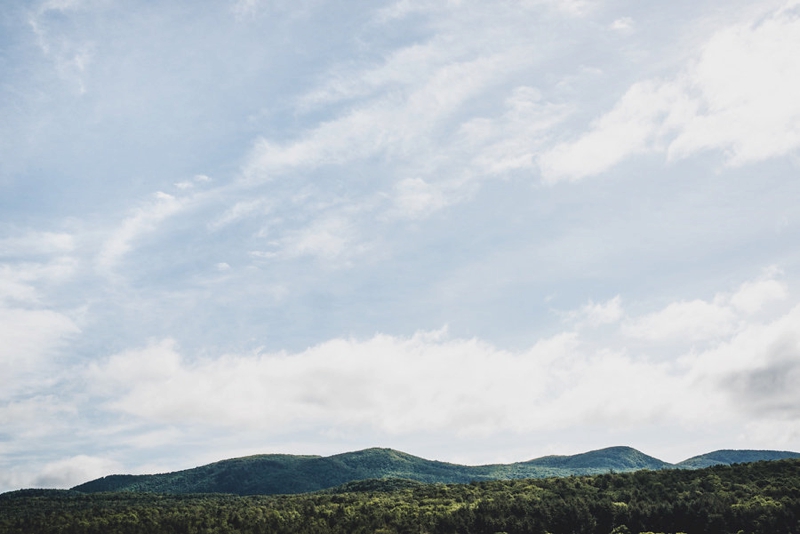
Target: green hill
[
  {"x": 278, "y": 473},
  {"x": 612, "y": 458},
  {"x": 271, "y": 474},
  {"x": 728, "y": 457}
]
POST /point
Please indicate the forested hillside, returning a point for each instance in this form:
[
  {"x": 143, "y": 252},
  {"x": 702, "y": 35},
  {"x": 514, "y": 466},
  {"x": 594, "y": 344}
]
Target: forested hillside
[
  {"x": 728, "y": 457},
  {"x": 280, "y": 473},
  {"x": 272, "y": 474},
  {"x": 756, "y": 498}
]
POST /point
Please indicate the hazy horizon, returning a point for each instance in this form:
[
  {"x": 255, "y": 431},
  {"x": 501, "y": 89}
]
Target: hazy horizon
[{"x": 476, "y": 233}]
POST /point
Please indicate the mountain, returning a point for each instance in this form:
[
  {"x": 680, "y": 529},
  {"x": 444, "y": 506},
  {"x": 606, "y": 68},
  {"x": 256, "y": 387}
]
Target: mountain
[
  {"x": 269, "y": 474},
  {"x": 728, "y": 457}
]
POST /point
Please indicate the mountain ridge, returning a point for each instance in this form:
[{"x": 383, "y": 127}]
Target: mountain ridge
[{"x": 266, "y": 474}]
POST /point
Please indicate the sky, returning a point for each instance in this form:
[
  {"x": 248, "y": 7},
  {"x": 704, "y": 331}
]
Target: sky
[{"x": 473, "y": 231}]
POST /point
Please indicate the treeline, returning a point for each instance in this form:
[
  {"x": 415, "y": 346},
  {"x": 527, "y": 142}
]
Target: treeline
[{"x": 762, "y": 497}]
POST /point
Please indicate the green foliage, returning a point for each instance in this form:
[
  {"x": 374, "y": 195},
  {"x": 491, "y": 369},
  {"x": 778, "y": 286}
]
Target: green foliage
[{"x": 754, "y": 498}]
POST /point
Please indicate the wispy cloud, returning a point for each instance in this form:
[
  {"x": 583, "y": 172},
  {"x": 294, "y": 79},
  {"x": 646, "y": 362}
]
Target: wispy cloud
[
  {"x": 394, "y": 125},
  {"x": 411, "y": 109},
  {"x": 328, "y": 239},
  {"x": 143, "y": 220},
  {"x": 70, "y": 57},
  {"x": 238, "y": 211}
]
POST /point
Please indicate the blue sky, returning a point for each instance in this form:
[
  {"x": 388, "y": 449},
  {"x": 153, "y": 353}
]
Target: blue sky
[{"x": 477, "y": 232}]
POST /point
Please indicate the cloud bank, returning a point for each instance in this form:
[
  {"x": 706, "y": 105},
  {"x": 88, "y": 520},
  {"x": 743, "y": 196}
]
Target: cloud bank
[{"x": 733, "y": 357}]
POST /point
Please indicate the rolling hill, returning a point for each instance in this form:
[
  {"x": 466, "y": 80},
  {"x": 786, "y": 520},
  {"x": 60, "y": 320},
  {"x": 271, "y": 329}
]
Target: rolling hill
[
  {"x": 286, "y": 474},
  {"x": 729, "y": 457}
]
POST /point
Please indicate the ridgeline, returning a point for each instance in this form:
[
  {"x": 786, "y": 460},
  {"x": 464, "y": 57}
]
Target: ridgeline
[{"x": 271, "y": 474}]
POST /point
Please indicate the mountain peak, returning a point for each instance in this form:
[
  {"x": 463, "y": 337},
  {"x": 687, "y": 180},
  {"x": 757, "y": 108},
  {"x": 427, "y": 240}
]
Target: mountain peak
[{"x": 618, "y": 458}]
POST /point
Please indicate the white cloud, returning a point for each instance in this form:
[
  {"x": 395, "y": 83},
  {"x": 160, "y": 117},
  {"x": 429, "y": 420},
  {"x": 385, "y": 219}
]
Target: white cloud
[
  {"x": 416, "y": 197},
  {"x": 757, "y": 369},
  {"x": 37, "y": 243},
  {"x": 511, "y": 141},
  {"x": 623, "y": 24},
  {"x": 143, "y": 220},
  {"x": 18, "y": 281},
  {"x": 748, "y": 77},
  {"x": 72, "y": 471},
  {"x": 239, "y": 211},
  {"x": 432, "y": 383},
  {"x": 26, "y": 336},
  {"x": 404, "y": 385},
  {"x": 15, "y": 283},
  {"x": 29, "y": 333},
  {"x": 738, "y": 98},
  {"x": 393, "y": 384},
  {"x": 327, "y": 238},
  {"x": 483, "y": 147},
  {"x": 700, "y": 320},
  {"x": 634, "y": 126},
  {"x": 752, "y": 296},
  {"x": 155, "y": 362},
  {"x": 34, "y": 259},
  {"x": 401, "y": 69},
  {"x": 596, "y": 314},
  {"x": 695, "y": 320}
]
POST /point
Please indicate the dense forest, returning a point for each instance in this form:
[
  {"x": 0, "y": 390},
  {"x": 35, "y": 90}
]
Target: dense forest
[{"x": 762, "y": 497}]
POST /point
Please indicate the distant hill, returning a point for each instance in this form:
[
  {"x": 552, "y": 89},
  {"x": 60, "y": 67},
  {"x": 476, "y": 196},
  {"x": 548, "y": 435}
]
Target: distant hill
[
  {"x": 270, "y": 474},
  {"x": 729, "y": 457},
  {"x": 610, "y": 459}
]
